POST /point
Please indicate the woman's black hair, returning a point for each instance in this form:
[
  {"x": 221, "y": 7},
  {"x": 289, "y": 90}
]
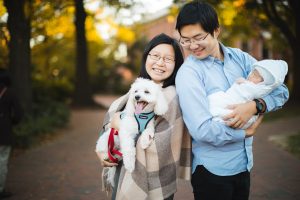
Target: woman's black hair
[
  {"x": 157, "y": 40},
  {"x": 197, "y": 12}
]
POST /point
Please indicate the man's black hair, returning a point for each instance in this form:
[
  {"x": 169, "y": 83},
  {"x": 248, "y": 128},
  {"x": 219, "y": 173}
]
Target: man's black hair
[{"x": 197, "y": 12}]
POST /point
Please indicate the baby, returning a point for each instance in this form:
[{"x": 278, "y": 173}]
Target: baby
[{"x": 263, "y": 79}]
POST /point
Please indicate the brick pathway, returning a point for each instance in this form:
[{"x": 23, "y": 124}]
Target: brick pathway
[
  {"x": 276, "y": 173},
  {"x": 67, "y": 167}
]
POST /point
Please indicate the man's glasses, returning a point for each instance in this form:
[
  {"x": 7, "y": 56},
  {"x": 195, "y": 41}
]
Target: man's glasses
[
  {"x": 185, "y": 42},
  {"x": 157, "y": 57}
]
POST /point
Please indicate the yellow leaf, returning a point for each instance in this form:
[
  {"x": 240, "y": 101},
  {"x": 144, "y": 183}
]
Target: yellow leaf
[
  {"x": 228, "y": 13},
  {"x": 61, "y": 25},
  {"x": 125, "y": 35},
  {"x": 2, "y": 9},
  {"x": 262, "y": 16},
  {"x": 91, "y": 32},
  {"x": 239, "y": 3}
]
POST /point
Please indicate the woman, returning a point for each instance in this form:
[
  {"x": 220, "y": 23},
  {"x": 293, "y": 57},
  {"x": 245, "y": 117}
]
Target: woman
[{"x": 157, "y": 168}]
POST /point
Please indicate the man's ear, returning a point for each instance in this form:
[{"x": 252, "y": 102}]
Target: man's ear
[{"x": 217, "y": 32}]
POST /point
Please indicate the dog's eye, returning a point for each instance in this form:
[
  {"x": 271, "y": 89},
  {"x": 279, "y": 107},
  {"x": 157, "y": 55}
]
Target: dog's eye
[
  {"x": 135, "y": 91},
  {"x": 147, "y": 92}
]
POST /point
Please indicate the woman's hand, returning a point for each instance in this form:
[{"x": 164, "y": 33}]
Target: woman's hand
[
  {"x": 252, "y": 129},
  {"x": 240, "y": 115},
  {"x": 104, "y": 162},
  {"x": 115, "y": 122}
]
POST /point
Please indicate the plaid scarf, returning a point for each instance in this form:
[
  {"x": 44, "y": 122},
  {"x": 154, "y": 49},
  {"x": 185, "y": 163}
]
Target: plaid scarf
[{"x": 159, "y": 166}]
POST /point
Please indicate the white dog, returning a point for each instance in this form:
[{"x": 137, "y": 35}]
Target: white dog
[{"x": 146, "y": 99}]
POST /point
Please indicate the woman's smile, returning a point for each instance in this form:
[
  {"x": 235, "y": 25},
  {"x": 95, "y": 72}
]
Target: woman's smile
[{"x": 159, "y": 71}]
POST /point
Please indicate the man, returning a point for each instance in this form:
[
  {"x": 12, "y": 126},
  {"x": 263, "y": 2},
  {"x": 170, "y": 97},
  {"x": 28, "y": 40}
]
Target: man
[{"x": 222, "y": 153}]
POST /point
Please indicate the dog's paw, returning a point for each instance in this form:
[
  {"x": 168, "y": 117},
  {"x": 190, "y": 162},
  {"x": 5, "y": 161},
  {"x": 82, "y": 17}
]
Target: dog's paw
[
  {"x": 129, "y": 160},
  {"x": 145, "y": 140}
]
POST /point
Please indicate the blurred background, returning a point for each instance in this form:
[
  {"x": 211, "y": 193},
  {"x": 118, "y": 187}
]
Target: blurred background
[
  {"x": 66, "y": 56},
  {"x": 63, "y": 53}
]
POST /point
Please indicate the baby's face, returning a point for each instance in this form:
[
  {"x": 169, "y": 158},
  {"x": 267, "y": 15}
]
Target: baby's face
[{"x": 255, "y": 77}]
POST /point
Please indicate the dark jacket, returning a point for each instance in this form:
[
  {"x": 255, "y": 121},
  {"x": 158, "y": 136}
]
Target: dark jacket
[{"x": 10, "y": 114}]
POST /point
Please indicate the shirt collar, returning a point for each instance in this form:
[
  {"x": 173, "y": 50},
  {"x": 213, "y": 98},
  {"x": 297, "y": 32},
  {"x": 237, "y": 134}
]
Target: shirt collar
[{"x": 227, "y": 54}]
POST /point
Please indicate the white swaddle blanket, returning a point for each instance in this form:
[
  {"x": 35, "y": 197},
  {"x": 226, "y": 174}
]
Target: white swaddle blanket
[{"x": 247, "y": 91}]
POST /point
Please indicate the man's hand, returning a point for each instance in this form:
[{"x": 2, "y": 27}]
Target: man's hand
[
  {"x": 104, "y": 162},
  {"x": 240, "y": 115},
  {"x": 252, "y": 129}
]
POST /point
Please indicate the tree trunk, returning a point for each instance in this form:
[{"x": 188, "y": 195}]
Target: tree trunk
[
  {"x": 18, "y": 23},
  {"x": 295, "y": 94},
  {"x": 82, "y": 94},
  {"x": 295, "y": 69}
]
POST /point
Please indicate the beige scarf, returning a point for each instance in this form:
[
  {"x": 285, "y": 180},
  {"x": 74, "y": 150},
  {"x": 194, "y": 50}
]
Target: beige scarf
[{"x": 157, "y": 168}]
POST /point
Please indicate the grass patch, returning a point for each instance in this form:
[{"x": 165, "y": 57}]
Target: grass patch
[
  {"x": 293, "y": 144},
  {"x": 47, "y": 117},
  {"x": 289, "y": 142},
  {"x": 287, "y": 111}
]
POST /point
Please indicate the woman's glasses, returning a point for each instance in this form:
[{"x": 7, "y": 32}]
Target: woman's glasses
[{"x": 157, "y": 57}]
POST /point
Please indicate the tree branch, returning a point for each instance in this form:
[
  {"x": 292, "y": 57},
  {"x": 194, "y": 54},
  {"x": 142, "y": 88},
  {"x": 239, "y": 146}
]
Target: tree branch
[
  {"x": 270, "y": 9},
  {"x": 295, "y": 6}
]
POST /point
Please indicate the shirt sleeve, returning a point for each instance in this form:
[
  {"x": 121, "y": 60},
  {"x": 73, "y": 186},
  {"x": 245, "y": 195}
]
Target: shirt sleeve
[
  {"x": 195, "y": 110},
  {"x": 277, "y": 98}
]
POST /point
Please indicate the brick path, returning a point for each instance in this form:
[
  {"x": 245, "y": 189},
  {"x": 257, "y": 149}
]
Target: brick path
[{"x": 67, "y": 167}]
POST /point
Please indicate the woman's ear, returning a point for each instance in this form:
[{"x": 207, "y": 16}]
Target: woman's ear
[{"x": 161, "y": 106}]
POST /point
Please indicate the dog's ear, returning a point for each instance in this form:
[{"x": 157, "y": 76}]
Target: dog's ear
[
  {"x": 130, "y": 103},
  {"x": 161, "y": 106},
  {"x": 139, "y": 79}
]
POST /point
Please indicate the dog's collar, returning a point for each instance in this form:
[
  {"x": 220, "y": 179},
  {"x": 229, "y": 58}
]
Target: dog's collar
[{"x": 143, "y": 119}]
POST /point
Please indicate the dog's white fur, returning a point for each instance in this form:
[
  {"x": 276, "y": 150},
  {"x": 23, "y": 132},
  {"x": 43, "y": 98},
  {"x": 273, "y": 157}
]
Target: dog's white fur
[{"x": 141, "y": 90}]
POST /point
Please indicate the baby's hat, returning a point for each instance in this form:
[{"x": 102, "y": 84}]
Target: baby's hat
[
  {"x": 272, "y": 71},
  {"x": 266, "y": 75}
]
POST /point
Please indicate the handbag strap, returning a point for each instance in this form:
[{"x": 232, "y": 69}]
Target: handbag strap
[{"x": 3, "y": 91}]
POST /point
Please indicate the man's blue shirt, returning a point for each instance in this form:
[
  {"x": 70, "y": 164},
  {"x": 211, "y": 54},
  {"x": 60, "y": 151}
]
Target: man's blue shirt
[{"x": 222, "y": 150}]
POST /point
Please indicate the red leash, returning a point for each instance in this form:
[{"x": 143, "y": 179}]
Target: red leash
[{"x": 112, "y": 152}]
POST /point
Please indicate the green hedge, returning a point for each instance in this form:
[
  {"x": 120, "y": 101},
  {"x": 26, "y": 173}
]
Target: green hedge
[
  {"x": 47, "y": 116},
  {"x": 294, "y": 144}
]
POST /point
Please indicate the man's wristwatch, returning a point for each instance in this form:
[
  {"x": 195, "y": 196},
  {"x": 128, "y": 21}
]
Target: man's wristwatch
[{"x": 259, "y": 107}]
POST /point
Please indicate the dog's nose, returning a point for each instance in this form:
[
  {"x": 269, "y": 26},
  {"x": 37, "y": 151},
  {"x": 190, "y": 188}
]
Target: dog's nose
[{"x": 137, "y": 97}]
